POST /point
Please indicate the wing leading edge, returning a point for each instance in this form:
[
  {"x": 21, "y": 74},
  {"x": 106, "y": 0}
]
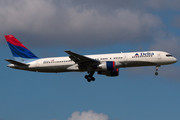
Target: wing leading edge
[{"x": 80, "y": 59}]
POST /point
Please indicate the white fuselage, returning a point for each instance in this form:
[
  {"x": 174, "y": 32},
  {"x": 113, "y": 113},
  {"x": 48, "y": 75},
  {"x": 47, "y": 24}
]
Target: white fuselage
[{"x": 131, "y": 59}]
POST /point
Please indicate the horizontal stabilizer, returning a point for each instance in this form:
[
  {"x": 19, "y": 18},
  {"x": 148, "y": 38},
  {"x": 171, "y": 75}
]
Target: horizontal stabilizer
[{"x": 16, "y": 62}]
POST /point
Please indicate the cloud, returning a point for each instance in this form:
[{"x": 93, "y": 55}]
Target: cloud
[
  {"x": 110, "y": 5},
  {"x": 131, "y": 4},
  {"x": 23, "y": 15},
  {"x": 176, "y": 21},
  {"x": 169, "y": 43},
  {"x": 70, "y": 24},
  {"x": 90, "y": 115},
  {"x": 162, "y": 4}
]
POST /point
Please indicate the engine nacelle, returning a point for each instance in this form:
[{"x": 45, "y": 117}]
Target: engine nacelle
[
  {"x": 112, "y": 73},
  {"x": 108, "y": 65}
]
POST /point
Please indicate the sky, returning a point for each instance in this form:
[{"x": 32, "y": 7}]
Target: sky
[{"x": 48, "y": 27}]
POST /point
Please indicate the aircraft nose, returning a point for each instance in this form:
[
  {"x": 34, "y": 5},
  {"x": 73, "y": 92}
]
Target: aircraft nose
[{"x": 174, "y": 60}]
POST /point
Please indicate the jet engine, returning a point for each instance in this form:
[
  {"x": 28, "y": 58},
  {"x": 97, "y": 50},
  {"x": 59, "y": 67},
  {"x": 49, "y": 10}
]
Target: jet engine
[
  {"x": 108, "y": 65},
  {"x": 111, "y": 73}
]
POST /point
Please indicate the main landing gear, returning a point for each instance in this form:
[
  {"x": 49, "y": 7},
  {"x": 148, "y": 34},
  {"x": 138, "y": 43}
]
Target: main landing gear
[
  {"x": 90, "y": 76},
  {"x": 157, "y": 66}
]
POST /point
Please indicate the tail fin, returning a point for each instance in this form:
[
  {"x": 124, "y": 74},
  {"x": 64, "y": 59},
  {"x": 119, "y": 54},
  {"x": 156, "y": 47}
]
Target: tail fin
[{"x": 19, "y": 51}]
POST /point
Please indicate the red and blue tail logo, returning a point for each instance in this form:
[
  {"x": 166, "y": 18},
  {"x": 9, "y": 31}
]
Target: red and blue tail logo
[{"x": 18, "y": 49}]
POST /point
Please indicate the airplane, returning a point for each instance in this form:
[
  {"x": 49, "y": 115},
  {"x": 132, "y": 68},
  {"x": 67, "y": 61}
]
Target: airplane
[{"x": 103, "y": 64}]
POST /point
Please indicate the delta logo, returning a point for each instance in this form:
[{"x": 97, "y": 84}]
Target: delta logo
[
  {"x": 136, "y": 55},
  {"x": 148, "y": 54}
]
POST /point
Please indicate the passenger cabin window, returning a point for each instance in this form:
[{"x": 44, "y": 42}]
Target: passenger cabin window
[{"x": 168, "y": 55}]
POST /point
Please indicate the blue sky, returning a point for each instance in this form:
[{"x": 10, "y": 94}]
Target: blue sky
[{"x": 48, "y": 28}]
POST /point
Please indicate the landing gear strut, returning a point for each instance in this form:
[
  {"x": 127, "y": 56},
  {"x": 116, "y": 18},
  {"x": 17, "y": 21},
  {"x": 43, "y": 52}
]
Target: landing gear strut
[
  {"x": 90, "y": 76},
  {"x": 157, "y": 66}
]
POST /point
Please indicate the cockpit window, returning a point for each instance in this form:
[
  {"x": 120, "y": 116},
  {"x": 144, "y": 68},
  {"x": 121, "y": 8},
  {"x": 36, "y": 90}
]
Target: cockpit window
[{"x": 168, "y": 55}]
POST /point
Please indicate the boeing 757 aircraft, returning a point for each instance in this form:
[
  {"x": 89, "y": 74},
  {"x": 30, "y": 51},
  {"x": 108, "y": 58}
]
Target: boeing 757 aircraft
[{"x": 103, "y": 64}]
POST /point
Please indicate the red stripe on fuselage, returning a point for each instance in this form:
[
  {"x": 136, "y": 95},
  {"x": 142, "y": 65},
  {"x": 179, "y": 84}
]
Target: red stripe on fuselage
[
  {"x": 113, "y": 65},
  {"x": 11, "y": 39}
]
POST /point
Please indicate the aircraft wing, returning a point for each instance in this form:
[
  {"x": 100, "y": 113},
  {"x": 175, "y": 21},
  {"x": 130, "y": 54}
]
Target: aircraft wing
[
  {"x": 81, "y": 60},
  {"x": 16, "y": 62}
]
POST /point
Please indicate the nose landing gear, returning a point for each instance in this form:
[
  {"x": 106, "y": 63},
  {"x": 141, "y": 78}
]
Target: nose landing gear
[
  {"x": 90, "y": 76},
  {"x": 157, "y": 66},
  {"x": 156, "y": 73}
]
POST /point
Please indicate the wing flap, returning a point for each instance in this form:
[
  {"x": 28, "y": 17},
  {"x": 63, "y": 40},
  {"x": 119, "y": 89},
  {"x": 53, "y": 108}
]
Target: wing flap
[{"x": 16, "y": 62}]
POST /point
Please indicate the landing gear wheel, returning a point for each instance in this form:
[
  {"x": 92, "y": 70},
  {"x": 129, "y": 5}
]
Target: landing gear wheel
[
  {"x": 157, "y": 69},
  {"x": 90, "y": 76},
  {"x": 86, "y": 76},
  {"x": 89, "y": 80},
  {"x": 93, "y": 79},
  {"x": 156, "y": 73}
]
